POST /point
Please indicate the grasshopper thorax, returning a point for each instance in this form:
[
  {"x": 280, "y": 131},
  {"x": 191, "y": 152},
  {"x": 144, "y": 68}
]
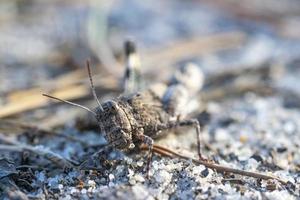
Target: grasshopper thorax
[{"x": 115, "y": 125}]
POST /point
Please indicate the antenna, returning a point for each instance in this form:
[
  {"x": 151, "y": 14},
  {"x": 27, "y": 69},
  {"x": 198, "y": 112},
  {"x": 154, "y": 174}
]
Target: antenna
[
  {"x": 71, "y": 103},
  {"x": 92, "y": 84}
]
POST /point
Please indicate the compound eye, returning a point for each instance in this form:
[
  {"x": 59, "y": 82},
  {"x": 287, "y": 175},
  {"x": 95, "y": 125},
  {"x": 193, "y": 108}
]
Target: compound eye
[{"x": 113, "y": 106}]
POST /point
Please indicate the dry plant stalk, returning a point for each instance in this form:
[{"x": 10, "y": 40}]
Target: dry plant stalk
[{"x": 219, "y": 168}]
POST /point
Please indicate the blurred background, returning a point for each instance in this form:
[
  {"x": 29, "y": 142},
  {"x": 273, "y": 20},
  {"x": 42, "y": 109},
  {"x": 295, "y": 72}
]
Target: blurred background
[
  {"x": 248, "y": 50},
  {"x": 44, "y": 45}
]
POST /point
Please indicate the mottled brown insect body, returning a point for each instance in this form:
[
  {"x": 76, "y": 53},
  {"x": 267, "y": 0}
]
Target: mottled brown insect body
[
  {"x": 135, "y": 117},
  {"x": 126, "y": 120}
]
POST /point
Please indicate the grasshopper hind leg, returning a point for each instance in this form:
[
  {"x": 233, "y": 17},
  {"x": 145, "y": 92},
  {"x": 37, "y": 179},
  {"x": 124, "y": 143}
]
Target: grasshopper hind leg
[
  {"x": 194, "y": 123},
  {"x": 183, "y": 123},
  {"x": 148, "y": 141},
  {"x": 132, "y": 79}
]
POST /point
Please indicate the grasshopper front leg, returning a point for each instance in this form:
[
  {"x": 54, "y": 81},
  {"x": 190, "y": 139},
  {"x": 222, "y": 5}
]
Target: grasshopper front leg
[{"x": 149, "y": 142}]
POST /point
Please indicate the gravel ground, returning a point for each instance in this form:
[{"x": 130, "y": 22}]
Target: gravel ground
[
  {"x": 252, "y": 133},
  {"x": 249, "y": 132}
]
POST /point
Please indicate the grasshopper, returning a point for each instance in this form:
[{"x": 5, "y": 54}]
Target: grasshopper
[{"x": 138, "y": 116}]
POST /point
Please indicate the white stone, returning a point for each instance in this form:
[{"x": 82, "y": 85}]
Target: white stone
[
  {"x": 83, "y": 191},
  {"x": 130, "y": 173},
  {"x": 111, "y": 177},
  {"x": 198, "y": 169},
  {"x": 73, "y": 190},
  {"x": 60, "y": 186},
  {"x": 140, "y": 192},
  {"x": 252, "y": 164},
  {"x": 222, "y": 135},
  {"x": 163, "y": 177},
  {"x": 289, "y": 127},
  {"x": 140, "y": 163},
  {"x": 92, "y": 183},
  {"x": 139, "y": 178}
]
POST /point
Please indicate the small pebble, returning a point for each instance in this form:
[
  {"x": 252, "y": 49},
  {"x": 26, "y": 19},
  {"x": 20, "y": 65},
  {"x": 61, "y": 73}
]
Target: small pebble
[
  {"x": 60, "y": 186},
  {"x": 90, "y": 190},
  {"x": 256, "y": 157},
  {"x": 140, "y": 192},
  {"x": 243, "y": 138},
  {"x": 111, "y": 177},
  {"x": 163, "y": 176},
  {"x": 281, "y": 149},
  {"x": 140, "y": 163},
  {"x": 83, "y": 191},
  {"x": 205, "y": 173},
  {"x": 221, "y": 135},
  {"x": 139, "y": 178},
  {"x": 289, "y": 127},
  {"x": 252, "y": 164},
  {"x": 92, "y": 183},
  {"x": 73, "y": 190},
  {"x": 198, "y": 169},
  {"x": 132, "y": 181},
  {"x": 155, "y": 165},
  {"x": 130, "y": 173},
  {"x": 111, "y": 184},
  {"x": 129, "y": 161}
]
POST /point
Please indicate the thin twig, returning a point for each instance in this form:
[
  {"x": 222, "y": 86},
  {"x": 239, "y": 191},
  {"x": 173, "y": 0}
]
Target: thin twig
[{"x": 219, "y": 168}]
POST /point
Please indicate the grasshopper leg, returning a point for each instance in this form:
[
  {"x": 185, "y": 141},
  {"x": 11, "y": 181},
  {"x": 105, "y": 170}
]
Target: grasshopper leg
[
  {"x": 149, "y": 142},
  {"x": 196, "y": 125},
  {"x": 132, "y": 80},
  {"x": 182, "y": 123}
]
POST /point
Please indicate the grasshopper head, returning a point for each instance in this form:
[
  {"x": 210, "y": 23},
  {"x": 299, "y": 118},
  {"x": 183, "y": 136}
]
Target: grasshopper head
[{"x": 115, "y": 124}]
